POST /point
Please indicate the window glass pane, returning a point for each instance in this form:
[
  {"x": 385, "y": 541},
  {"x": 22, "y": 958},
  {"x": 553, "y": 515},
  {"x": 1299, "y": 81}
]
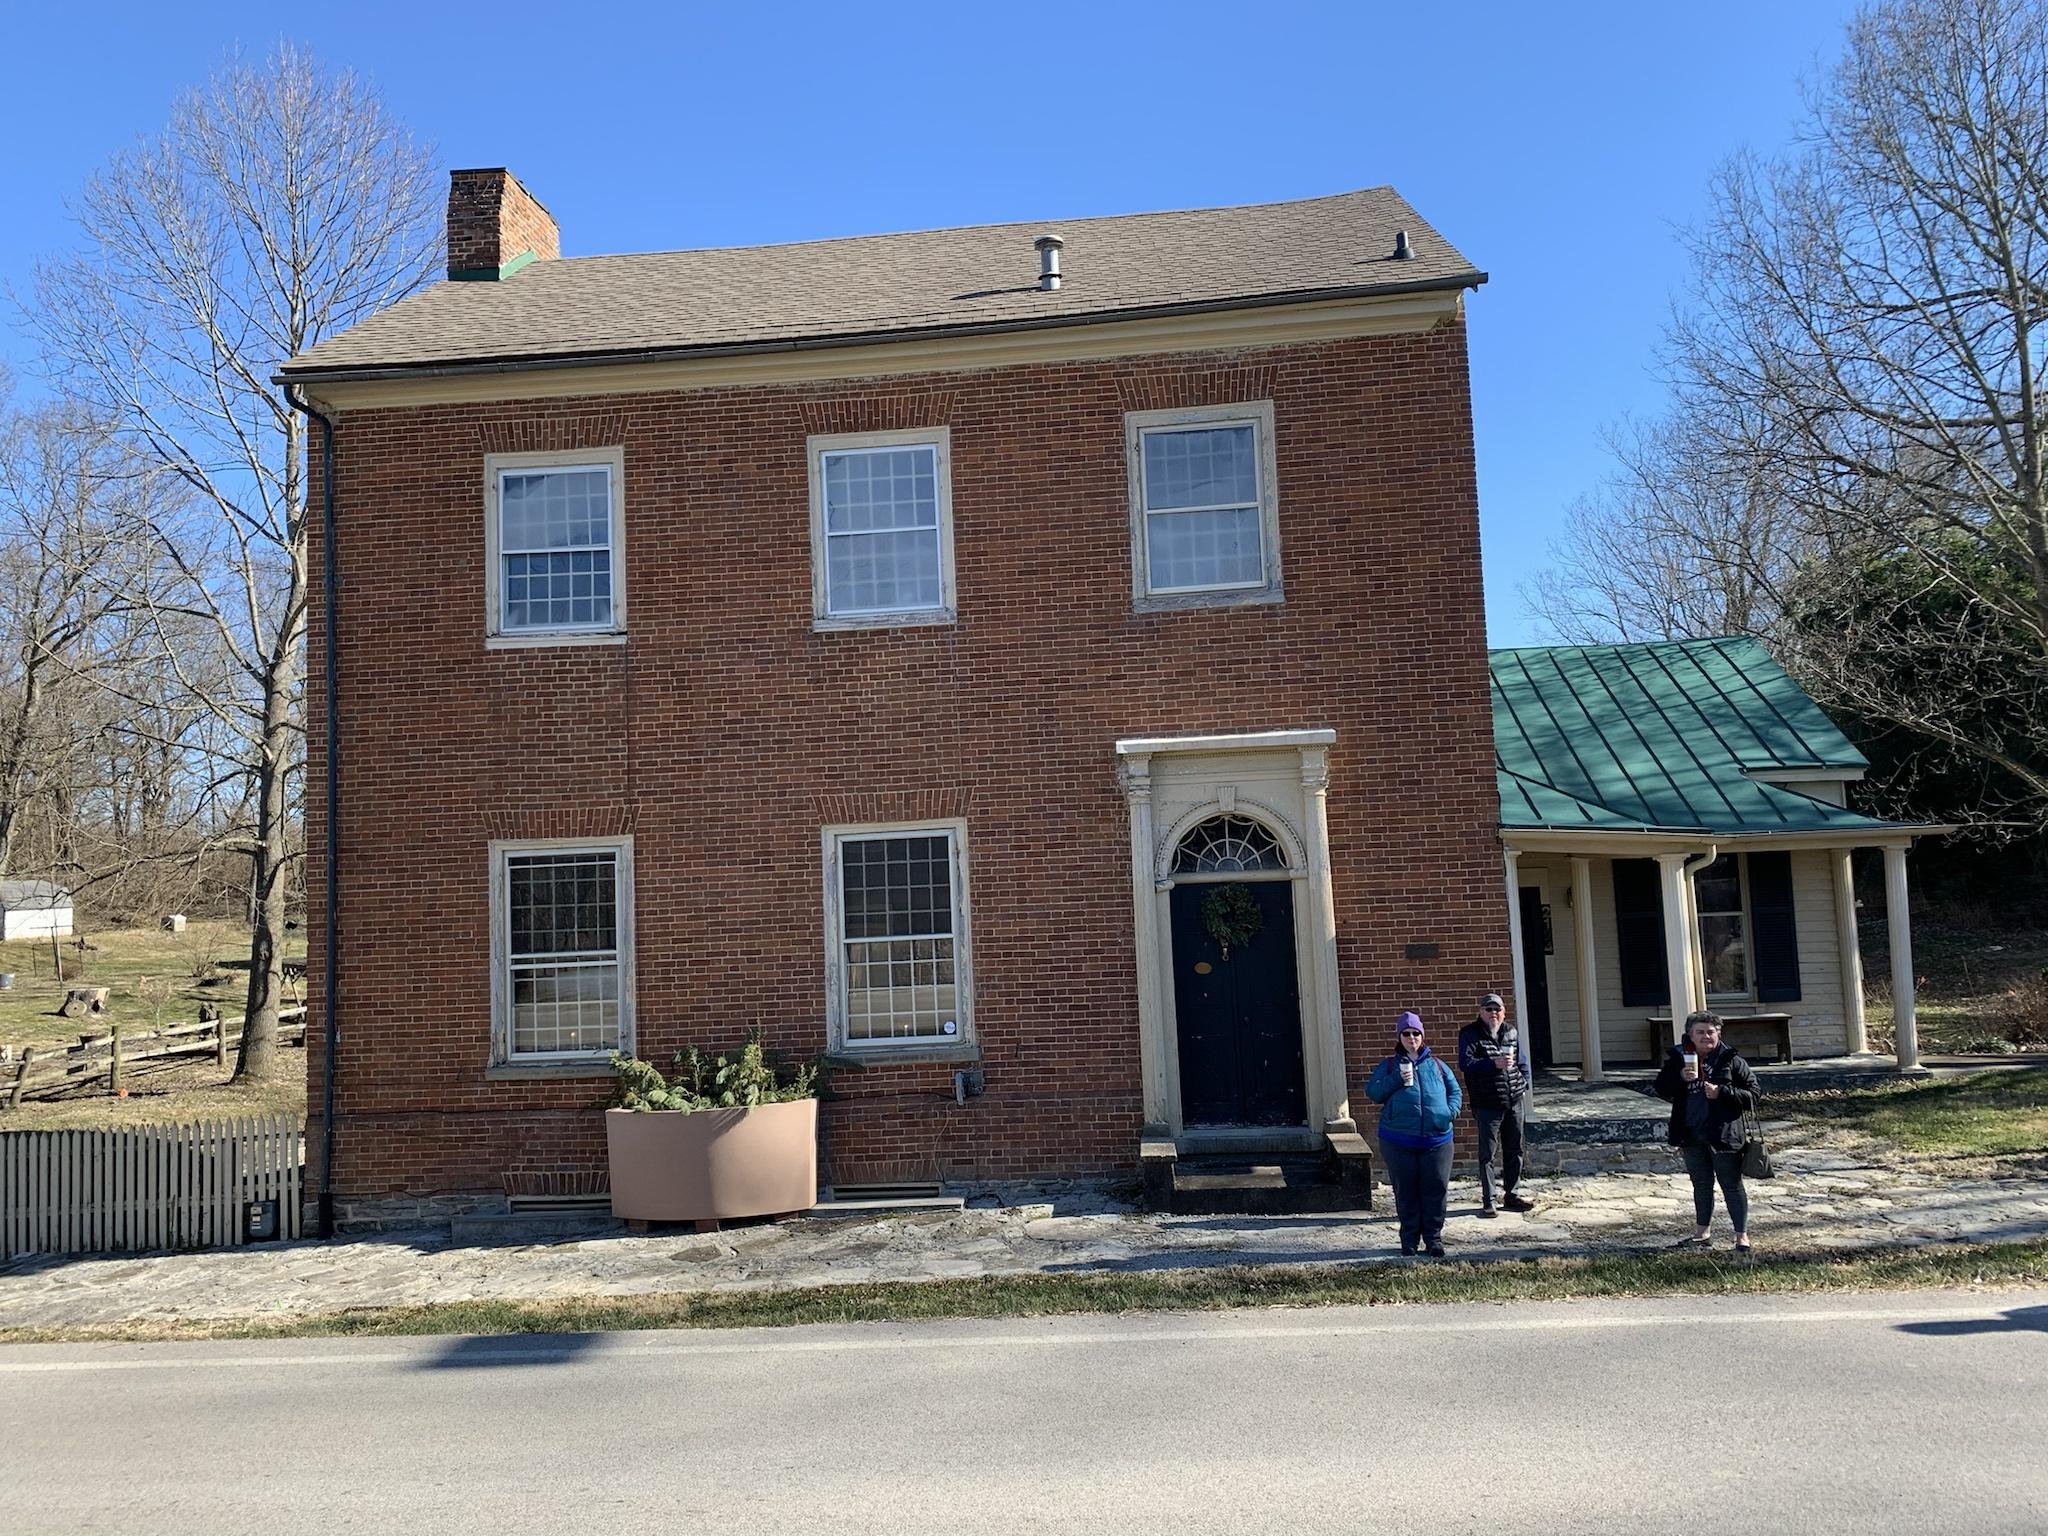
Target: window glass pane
[
  {"x": 1724, "y": 954},
  {"x": 1718, "y": 887},
  {"x": 1209, "y": 467},
  {"x": 563, "y": 1008},
  {"x": 555, "y": 539},
  {"x": 1204, "y": 549},
  {"x": 562, "y": 903},
  {"x": 868, "y": 572},
  {"x": 878, "y": 488},
  {"x": 899, "y": 938}
]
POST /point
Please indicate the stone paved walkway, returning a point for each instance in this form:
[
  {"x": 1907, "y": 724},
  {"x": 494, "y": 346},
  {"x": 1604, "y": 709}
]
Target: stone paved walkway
[{"x": 1823, "y": 1198}]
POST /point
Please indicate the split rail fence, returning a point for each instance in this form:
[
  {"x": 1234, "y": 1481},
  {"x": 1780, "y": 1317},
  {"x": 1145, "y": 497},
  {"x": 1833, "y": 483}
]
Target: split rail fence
[
  {"x": 148, "y": 1186},
  {"x": 52, "y": 1072}
]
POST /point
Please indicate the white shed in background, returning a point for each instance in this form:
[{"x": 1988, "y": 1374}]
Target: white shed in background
[{"x": 34, "y": 909}]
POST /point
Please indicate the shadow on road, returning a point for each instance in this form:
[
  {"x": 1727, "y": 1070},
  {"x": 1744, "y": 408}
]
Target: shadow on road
[
  {"x": 492, "y": 1351},
  {"x": 2017, "y": 1320}
]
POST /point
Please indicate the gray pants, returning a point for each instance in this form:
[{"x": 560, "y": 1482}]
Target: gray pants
[
  {"x": 1707, "y": 1165},
  {"x": 1504, "y": 1126},
  {"x": 1422, "y": 1188}
]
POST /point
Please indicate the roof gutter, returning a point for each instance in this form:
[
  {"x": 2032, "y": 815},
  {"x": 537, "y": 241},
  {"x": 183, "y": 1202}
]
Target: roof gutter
[
  {"x": 331, "y": 951},
  {"x": 529, "y": 364}
]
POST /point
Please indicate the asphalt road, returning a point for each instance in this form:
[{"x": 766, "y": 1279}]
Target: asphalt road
[{"x": 1921, "y": 1412}]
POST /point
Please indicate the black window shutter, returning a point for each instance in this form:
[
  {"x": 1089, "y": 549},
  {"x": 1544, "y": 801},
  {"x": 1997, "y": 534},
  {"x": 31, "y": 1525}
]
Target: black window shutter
[
  {"x": 1774, "y": 939},
  {"x": 1639, "y": 934}
]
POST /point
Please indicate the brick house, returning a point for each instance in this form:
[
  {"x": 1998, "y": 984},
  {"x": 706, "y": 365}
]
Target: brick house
[{"x": 918, "y": 648}]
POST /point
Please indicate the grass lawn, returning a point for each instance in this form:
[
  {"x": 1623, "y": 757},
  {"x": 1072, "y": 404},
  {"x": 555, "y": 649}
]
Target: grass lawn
[
  {"x": 1207, "y": 1290},
  {"x": 194, "y": 1089},
  {"x": 2001, "y": 1113},
  {"x": 151, "y": 976}
]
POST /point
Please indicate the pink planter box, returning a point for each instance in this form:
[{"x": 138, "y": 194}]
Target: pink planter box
[{"x": 713, "y": 1164}]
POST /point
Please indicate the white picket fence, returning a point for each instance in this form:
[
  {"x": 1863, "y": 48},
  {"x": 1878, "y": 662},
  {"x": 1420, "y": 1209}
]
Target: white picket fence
[{"x": 146, "y": 1186}]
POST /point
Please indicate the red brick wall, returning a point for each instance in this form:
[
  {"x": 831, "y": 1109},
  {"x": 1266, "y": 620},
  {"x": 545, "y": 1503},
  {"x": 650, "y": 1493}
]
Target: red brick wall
[{"x": 728, "y": 732}]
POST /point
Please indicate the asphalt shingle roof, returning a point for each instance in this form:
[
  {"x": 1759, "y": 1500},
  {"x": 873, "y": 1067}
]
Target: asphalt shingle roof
[
  {"x": 897, "y": 286},
  {"x": 1661, "y": 738}
]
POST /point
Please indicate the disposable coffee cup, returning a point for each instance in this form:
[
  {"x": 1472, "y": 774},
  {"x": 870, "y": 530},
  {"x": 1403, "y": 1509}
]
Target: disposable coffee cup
[
  {"x": 1407, "y": 1073},
  {"x": 1692, "y": 1064}
]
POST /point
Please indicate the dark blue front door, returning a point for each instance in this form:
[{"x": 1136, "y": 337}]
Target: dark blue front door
[{"x": 1238, "y": 1016}]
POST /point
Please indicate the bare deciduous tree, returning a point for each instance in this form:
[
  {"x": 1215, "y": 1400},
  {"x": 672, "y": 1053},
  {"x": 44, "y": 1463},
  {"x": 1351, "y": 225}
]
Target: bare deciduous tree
[
  {"x": 281, "y": 204},
  {"x": 1863, "y": 366}
]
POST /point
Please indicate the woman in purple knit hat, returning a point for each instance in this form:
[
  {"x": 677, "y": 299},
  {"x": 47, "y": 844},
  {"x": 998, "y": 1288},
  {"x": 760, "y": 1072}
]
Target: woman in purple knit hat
[{"x": 1419, "y": 1098}]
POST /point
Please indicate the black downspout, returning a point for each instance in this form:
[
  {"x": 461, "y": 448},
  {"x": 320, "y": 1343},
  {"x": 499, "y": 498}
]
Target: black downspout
[{"x": 330, "y": 990}]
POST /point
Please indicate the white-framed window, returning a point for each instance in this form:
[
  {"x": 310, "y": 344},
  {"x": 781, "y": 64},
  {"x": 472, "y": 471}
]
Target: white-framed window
[
  {"x": 1721, "y": 894},
  {"x": 1205, "y": 519},
  {"x": 881, "y": 528},
  {"x": 898, "y": 971},
  {"x": 562, "y": 949},
  {"x": 554, "y": 537}
]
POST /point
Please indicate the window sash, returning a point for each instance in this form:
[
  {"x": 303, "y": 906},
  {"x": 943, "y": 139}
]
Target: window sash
[
  {"x": 1154, "y": 516},
  {"x": 600, "y": 558},
  {"x": 926, "y": 537},
  {"x": 873, "y": 1016},
  {"x": 1731, "y": 929},
  {"x": 563, "y": 1004}
]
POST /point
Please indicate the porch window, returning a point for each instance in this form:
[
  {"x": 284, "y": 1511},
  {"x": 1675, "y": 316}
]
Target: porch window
[
  {"x": 562, "y": 931},
  {"x": 898, "y": 971},
  {"x": 1724, "y": 928}
]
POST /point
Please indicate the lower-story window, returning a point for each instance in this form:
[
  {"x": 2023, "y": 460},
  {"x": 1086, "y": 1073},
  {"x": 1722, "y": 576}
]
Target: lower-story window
[
  {"x": 897, "y": 967},
  {"x": 562, "y": 936}
]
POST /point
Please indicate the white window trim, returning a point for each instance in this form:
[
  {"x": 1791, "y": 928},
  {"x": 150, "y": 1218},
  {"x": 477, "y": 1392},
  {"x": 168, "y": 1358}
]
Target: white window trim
[
  {"x": 955, "y": 830},
  {"x": 502, "y": 1056},
  {"x": 815, "y": 448},
  {"x": 1700, "y": 916},
  {"x": 1257, "y": 414},
  {"x": 496, "y": 636}
]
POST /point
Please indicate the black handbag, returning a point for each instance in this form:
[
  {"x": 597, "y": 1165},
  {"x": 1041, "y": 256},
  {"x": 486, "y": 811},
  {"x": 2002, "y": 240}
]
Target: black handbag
[{"x": 1756, "y": 1157}]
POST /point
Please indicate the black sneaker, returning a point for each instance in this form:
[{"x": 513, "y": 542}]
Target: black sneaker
[
  {"x": 1434, "y": 1250},
  {"x": 1517, "y": 1203},
  {"x": 1407, "y": 1251},
  {"x": 1487, "y": 1213}
]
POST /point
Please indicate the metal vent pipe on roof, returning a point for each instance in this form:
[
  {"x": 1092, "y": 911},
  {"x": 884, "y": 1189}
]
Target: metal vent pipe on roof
[
  {"x": 1048, "y": 248},
  {"x": 1403, "y": 251}
]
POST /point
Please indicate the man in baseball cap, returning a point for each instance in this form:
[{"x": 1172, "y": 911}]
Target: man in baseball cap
[{"x": 1498, "y": 1087}]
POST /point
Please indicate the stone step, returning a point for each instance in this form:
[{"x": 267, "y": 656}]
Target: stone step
[{"x": 1256, "y": 1185}]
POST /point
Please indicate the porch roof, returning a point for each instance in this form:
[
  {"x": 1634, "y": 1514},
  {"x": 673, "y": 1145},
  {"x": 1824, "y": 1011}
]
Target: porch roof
[{"x": 1663, "y": 737}]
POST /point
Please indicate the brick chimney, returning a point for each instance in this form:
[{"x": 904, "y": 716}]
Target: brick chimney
[{"x": 495, "y": 226}]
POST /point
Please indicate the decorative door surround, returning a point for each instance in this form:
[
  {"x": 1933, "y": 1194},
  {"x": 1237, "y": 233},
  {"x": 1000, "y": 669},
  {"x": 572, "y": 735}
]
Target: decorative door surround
[{"x": 1172, "y": 784}]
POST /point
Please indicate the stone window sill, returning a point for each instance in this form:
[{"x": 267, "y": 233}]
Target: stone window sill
[
  {"x": 545, "y": 1071},
  {"x": 905, "y": 1055}
]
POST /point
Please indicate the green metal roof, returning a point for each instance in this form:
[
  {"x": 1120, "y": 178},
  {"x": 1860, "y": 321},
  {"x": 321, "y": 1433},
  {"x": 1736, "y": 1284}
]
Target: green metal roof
[{"x": 1661, "y": 737}]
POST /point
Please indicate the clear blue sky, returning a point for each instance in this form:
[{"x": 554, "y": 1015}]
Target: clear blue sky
[{"x": 1558, "y": 146}]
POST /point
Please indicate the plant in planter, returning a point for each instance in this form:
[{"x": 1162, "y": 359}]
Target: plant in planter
[{"x": 719, "y": 1137}]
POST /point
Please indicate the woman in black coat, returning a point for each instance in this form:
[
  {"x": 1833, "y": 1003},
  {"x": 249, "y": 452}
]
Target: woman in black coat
[{"x": 1710, "y": 1089}]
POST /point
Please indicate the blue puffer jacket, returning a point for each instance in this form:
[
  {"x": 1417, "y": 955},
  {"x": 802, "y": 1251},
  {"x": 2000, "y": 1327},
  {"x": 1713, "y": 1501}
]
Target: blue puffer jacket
[{"x": 1419, "y": 1115}]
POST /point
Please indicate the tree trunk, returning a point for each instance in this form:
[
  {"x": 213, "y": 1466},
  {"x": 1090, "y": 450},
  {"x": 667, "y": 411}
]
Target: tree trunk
[{"x": 271, "y": 857}]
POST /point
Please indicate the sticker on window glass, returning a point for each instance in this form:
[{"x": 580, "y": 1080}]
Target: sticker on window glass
[{"x": 950, "y": 1028}]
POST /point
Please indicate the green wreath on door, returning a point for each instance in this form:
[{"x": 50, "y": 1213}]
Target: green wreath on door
[{"x": 1231, "y": 917}]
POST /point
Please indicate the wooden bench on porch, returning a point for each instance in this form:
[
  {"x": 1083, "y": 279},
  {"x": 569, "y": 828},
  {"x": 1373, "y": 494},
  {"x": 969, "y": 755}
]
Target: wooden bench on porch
[{"x": 1772, "y": 1029}]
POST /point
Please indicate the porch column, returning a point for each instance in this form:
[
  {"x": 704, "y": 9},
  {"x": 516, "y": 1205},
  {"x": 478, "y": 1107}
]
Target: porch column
[
  {"x": 1851, "y": 952},
  {"x": 1898, "y": 919},
  {"x": 1136, "y": 773},
  {"x": 1678, "y": 966},
  {"x": 1589, "y": 975},
  {"x": 1512, "y": 859},
  {"x": 1315, "y": 788}
]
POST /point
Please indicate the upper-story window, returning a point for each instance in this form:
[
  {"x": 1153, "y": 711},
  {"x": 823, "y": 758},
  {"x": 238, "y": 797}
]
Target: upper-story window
[
  {"x": 881, "y": 529},
  {"x": 555, "y": 541},
  {"x": 1204, "y": 508}
]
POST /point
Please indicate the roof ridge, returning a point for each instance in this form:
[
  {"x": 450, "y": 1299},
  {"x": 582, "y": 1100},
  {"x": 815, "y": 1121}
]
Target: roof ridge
[{"x": 1054, "y": 222}]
